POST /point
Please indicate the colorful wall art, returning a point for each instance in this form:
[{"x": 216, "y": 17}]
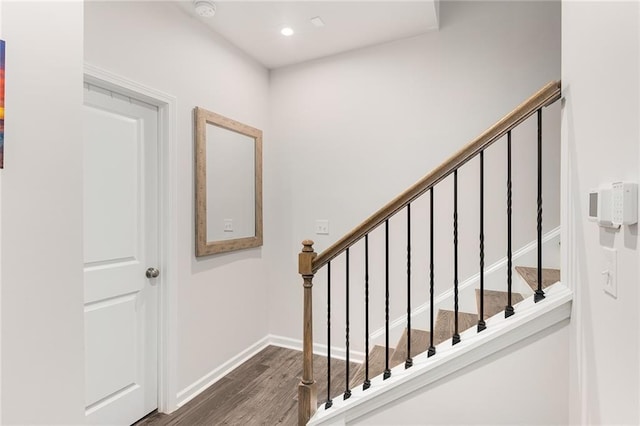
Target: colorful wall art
[{"x": 1, "y": 104}]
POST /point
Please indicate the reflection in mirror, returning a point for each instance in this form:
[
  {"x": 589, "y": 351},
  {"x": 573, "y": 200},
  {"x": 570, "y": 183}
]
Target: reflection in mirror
[{"x": 228, "y": 184}]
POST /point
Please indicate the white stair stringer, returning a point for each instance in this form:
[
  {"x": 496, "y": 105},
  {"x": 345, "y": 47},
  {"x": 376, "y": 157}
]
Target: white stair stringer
[{"x": 530, "y": 318}]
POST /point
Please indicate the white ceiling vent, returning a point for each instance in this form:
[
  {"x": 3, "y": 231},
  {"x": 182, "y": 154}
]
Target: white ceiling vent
[
  {"x": 204, "y": 8},
  {"x": 317, "y": 21}
]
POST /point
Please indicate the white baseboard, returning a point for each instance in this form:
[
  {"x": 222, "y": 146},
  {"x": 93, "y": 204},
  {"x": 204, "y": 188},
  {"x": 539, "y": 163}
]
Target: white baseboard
[
  {"x": 318, "y": 349},
  {"x": 200, "y": 385}
]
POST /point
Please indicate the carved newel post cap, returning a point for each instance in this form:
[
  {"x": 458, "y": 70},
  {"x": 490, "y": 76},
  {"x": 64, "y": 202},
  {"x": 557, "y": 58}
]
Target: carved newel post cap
[{"x": 305, "y": 258}]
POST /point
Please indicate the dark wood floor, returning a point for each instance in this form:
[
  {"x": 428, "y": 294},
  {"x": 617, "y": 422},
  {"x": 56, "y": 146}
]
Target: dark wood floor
[
  {"x": 262, "y": 391},
  {"x": 530, "y": 275}
]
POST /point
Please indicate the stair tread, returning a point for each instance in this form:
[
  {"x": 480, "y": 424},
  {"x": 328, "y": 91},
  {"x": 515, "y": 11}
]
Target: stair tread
[
  {"x": 495, "y": 301},
  {"x": 445, "y": 324},
  {"x": 419, "y": 344},
  {"x": 530, "y": 275},
  {"x": 376, "y": 366}
]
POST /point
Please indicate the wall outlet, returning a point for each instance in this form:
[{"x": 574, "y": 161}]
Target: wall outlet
[
  {"x": 322, "y": 227},
  {"x": 610, "y": 271},
  {"x": 228, "y": 225}
]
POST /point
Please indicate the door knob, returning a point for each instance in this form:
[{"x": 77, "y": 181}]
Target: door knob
[{"x": 152, "y": 273}]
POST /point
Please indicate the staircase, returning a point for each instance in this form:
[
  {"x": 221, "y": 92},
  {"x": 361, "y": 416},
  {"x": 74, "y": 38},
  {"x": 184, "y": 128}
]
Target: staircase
[
  {"x": 494, "y": 303},
  {"x": 455, "y": 338}
]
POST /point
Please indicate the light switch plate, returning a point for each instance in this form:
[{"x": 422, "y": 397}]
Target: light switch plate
[
  {"x": 610, "y": 271},
  {"x": 322, "y": 227}
]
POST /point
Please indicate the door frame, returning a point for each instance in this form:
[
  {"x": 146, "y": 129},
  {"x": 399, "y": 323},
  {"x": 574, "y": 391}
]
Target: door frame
[{"x": 167, "y": 226}]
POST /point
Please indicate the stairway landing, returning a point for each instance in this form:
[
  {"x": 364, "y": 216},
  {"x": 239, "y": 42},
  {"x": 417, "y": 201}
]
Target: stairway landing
[{"x": 262, "y": 391}]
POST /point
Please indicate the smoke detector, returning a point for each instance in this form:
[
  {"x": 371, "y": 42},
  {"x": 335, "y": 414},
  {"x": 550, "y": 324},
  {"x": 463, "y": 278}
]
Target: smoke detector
[{"x": 204, "y": 8}]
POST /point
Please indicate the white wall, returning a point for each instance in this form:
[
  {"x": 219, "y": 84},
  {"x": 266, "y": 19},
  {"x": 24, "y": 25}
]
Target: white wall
[
  {"x": 526, "y": 384},
  {"x": 158, "y": 45},
  {"x": 42, "y": 319},
  {"x": 600, "y": 75},
  {"x": 354, "y": 130}
]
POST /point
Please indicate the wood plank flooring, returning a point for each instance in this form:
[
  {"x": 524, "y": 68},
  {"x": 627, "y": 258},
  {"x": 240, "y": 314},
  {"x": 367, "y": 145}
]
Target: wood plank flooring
[
  {"x": 419, "y": 344},
  {"x": 262, "y": 391},
  {"x": 377, "y": 358},
  {"x": 445, "y": 324},
  {"x": 530, "y": 275},
  {"x": 495, "y": 301}
]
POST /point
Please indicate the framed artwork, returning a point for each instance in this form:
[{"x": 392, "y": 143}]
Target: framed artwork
[{"x": 1, "y": 104}]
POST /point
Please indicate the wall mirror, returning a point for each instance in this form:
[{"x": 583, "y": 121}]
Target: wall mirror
[{"x": 228, "y": 184}]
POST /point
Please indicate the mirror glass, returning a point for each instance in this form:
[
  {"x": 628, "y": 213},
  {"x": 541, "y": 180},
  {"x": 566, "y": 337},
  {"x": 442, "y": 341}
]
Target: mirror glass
[{"x": 228, "y": 184}]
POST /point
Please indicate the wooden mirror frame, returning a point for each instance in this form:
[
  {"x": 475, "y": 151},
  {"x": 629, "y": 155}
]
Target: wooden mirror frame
[{"x": 204, "y": 247}]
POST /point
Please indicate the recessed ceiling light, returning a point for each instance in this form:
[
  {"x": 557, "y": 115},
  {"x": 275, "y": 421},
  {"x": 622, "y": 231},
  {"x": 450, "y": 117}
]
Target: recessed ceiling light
[
  {"x": 317, "y": 21},
  {"x": 204, "y": 8},
  {"x": 286, "y": 31}
]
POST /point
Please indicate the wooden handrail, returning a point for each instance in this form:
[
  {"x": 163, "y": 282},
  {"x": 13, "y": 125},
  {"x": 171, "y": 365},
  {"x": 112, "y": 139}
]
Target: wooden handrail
[{"x": 545, "y": 96}]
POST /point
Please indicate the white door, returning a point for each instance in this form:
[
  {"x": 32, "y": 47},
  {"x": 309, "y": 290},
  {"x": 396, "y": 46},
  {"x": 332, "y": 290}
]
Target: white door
[{"x": 120, "y": 244}]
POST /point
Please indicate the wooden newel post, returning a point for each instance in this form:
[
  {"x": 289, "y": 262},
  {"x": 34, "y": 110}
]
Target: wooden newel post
[{"x": 307, "y": 392}]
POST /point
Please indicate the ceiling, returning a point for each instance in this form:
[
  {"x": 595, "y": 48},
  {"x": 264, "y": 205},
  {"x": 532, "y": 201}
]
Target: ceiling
[{"x": 254, "y": 26}]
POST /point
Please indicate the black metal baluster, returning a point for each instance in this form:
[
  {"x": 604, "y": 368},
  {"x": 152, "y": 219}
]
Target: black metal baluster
[
  {"x": 432, "y": 348},
  {"x": 387, "y": 370},
  {"x": 539, "y": 293},
  {"x": 456, "y": 334},
  {"x": 347, "y": 392},
  {"x": 481, "y": 324},
  {"x": 329, "y": 402},
  {"x": 367, "y": 382},
  {"x": 409, "y": 362},
  {"x": 508, "y": 310}
]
